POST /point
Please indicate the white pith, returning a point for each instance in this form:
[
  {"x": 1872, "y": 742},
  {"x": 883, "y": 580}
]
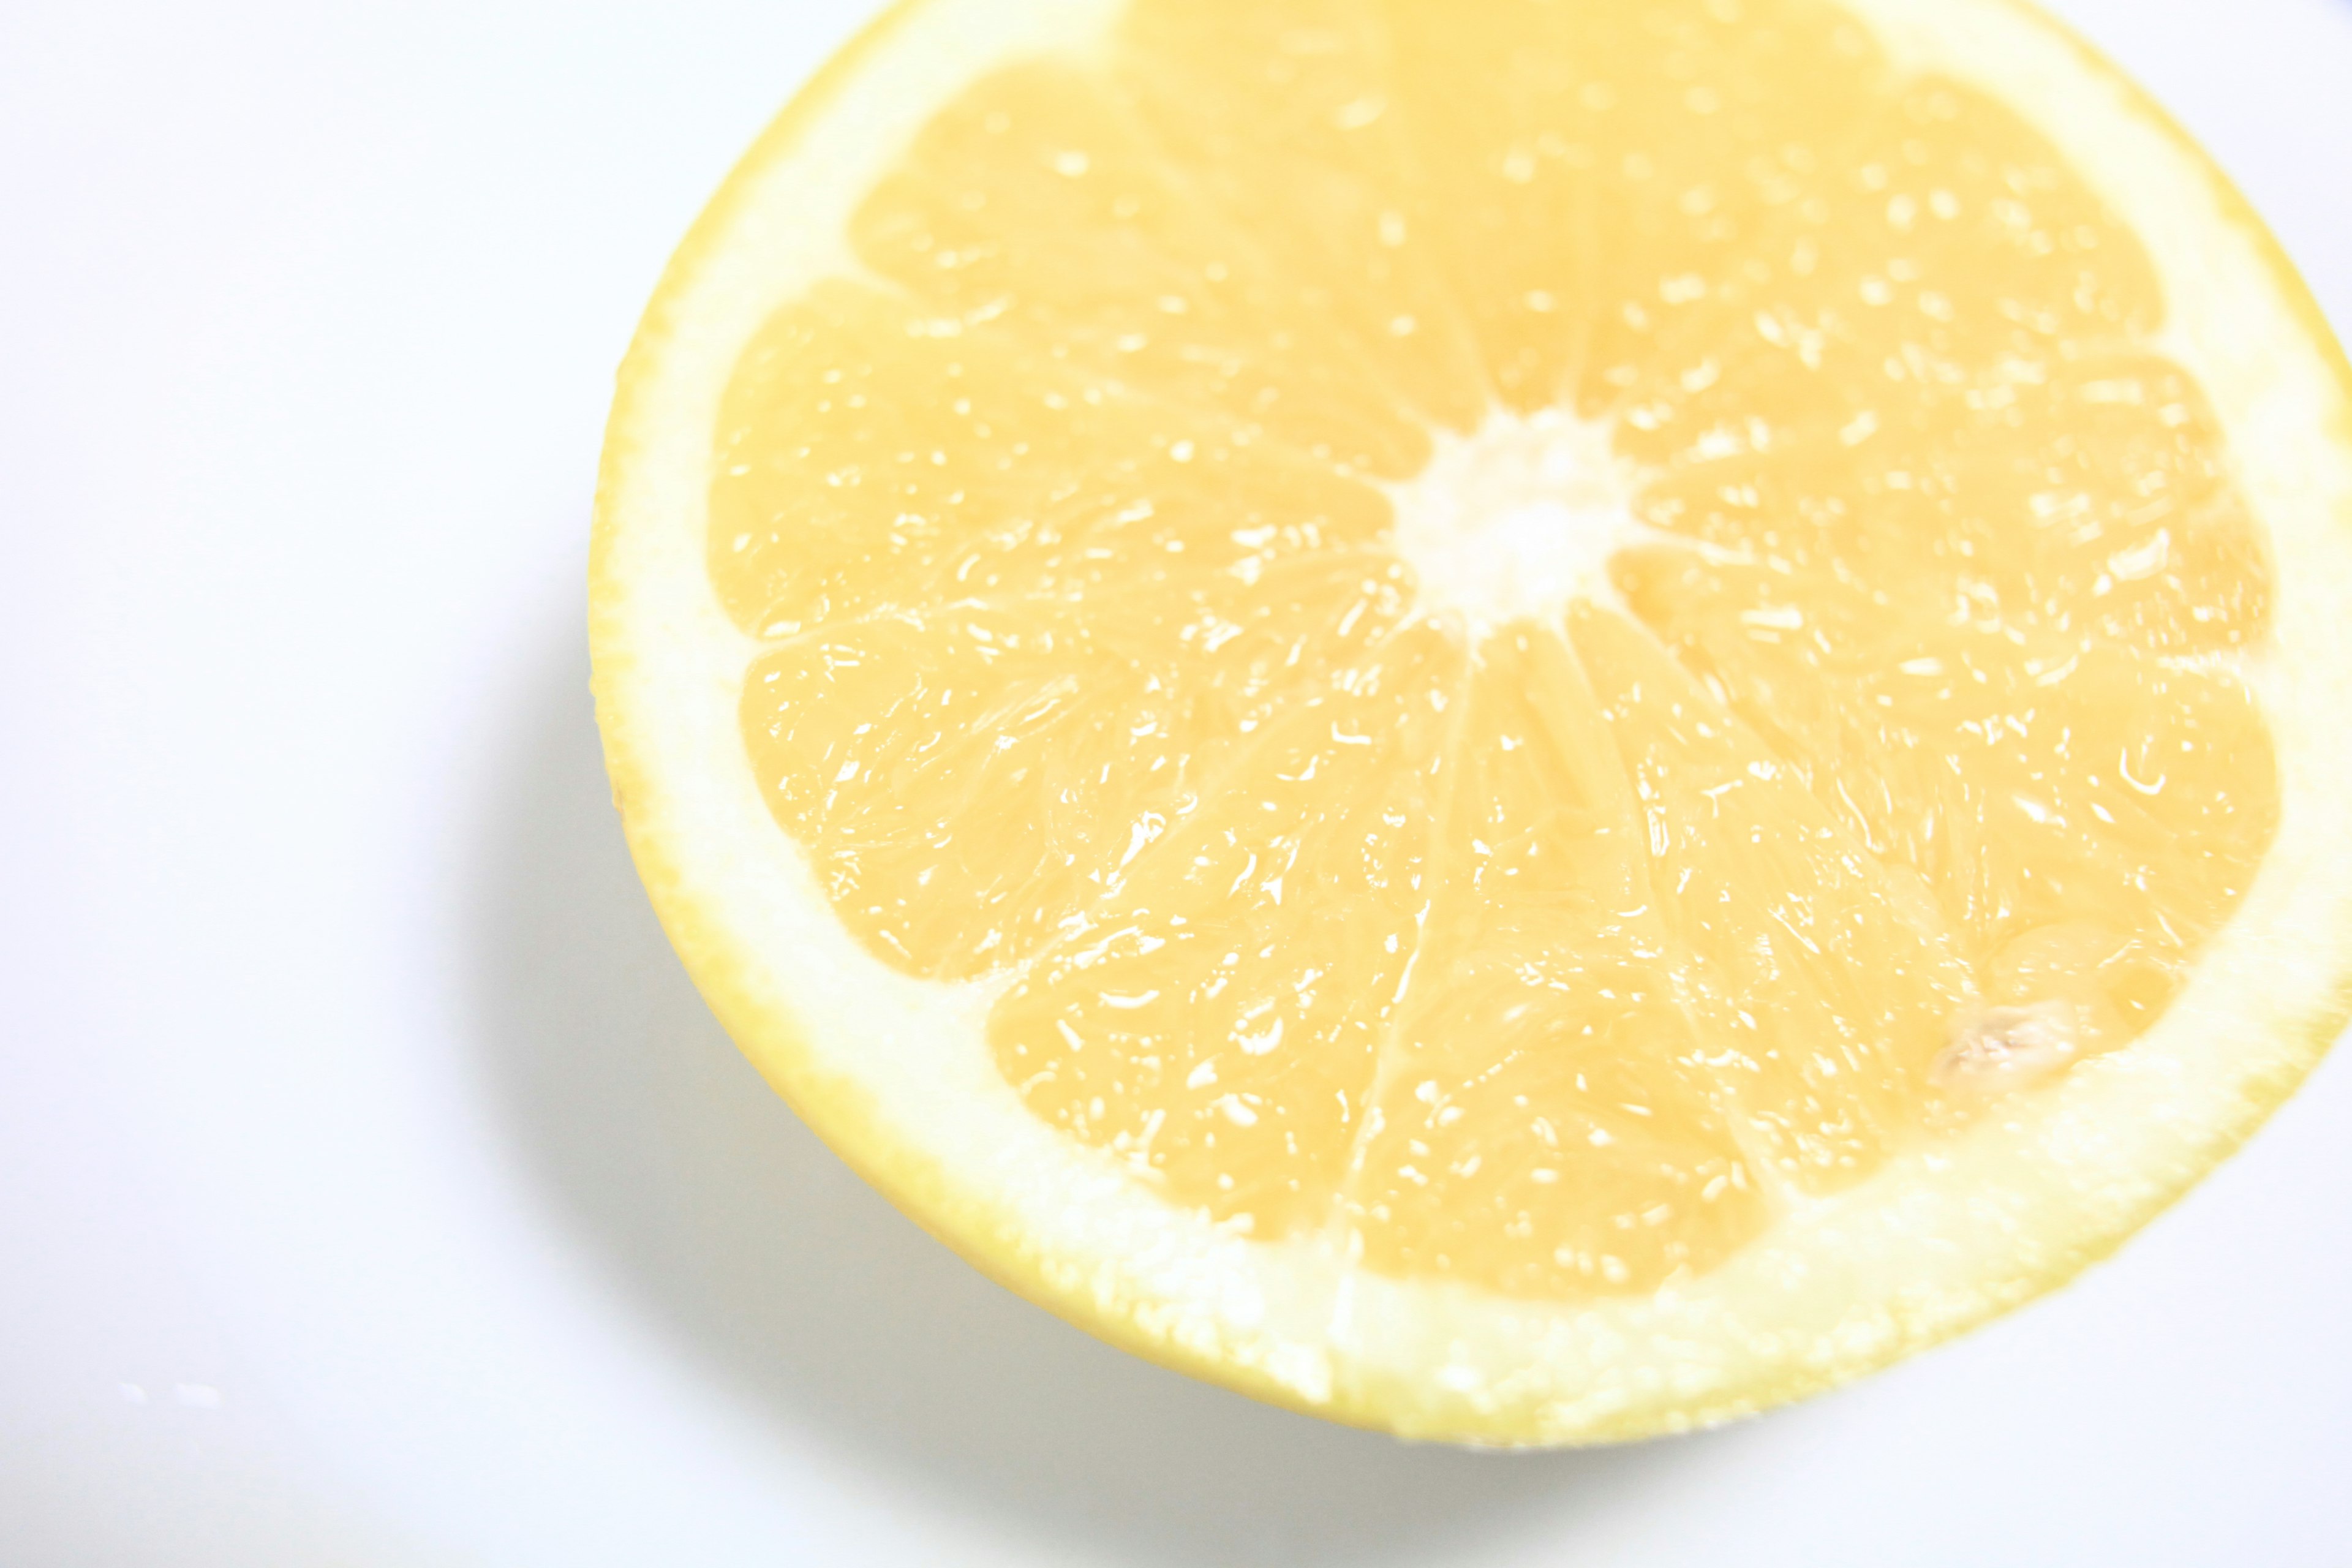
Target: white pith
[
  {"x": 897, "y": 1072},
  {"x": 1517, "y": 519}
]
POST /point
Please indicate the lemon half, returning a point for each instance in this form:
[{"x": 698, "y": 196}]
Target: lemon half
[{"x": 1524, "y": 722}]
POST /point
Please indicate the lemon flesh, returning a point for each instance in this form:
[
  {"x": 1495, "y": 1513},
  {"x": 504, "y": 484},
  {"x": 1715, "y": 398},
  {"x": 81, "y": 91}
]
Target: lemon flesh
[{"x": 1528, "y": 725}]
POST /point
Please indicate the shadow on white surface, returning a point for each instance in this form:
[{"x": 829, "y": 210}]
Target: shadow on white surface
[{"x": 799, "y": 1290}]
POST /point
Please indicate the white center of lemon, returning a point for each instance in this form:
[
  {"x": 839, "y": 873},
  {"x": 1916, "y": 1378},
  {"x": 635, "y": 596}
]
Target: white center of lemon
[{"x": 1517, "y": 519}]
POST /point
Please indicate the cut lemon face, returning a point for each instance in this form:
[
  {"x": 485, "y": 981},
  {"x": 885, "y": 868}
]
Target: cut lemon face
[{"x": 1529, "y": 721}]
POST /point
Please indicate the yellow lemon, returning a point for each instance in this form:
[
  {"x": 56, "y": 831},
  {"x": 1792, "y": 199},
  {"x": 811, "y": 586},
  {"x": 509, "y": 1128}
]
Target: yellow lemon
[{"x": 1526, "y": 721}]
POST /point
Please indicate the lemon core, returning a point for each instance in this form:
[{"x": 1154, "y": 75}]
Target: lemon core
[{"x": 1517, "y": 519}]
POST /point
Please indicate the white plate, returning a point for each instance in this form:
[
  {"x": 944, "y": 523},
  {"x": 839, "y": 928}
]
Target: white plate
[{"x": 374, "y": 1191}]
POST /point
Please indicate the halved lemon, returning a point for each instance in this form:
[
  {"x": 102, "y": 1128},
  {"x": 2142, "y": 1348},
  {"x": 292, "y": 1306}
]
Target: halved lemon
[{"x": 1524, "y": 721}]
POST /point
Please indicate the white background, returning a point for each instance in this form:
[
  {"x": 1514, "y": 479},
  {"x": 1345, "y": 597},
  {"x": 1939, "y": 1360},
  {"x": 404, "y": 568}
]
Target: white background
[{"x": 373, "y": 1189}]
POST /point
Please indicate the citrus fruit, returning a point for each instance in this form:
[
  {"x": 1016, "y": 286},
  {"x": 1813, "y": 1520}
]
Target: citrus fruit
[{"x": 1528, "y": 722}]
